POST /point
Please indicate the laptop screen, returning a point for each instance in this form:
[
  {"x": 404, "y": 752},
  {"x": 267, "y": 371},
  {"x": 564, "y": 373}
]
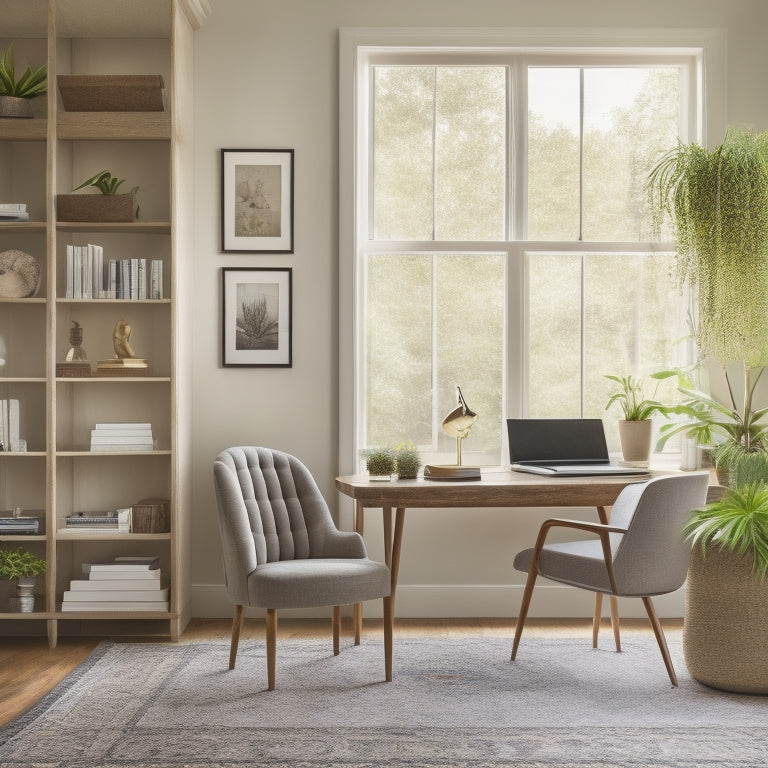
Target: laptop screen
[{"x": 557, "y": 441}]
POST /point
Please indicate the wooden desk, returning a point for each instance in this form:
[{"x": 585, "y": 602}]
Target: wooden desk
[{"x": 496, "y": 488}]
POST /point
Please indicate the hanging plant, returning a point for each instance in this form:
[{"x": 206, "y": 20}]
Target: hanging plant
[{"x": 718, "y": 204}]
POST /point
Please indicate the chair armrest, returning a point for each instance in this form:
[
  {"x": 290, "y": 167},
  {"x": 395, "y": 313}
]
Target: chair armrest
[
  {"x": 601, "y": 530},
  {"x": 344, "y": 544}
]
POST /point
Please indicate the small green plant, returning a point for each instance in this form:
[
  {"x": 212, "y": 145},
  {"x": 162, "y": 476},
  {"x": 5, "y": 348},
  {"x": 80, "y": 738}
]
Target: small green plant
[
  {"x": 379, "y": 461},
  {"x": 738, "y": 522},
  {"x": 630, "y": 398},
  {"x": 29, "y": 85},
  {"x": 407, "y": 461},
  {"x": 104, "y": 181},
  {"x": 19, "y": 563}
]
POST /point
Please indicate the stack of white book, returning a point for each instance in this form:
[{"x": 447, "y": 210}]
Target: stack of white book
[
  {"x": 9, "y": 426},
  {"x": 124, "y": 584},
  {"x": 122, "y": 436},
  {"x": 13, "y": 212}
]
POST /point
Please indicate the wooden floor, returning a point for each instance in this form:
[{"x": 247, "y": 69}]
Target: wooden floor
[{"x": 29, "y": 668}]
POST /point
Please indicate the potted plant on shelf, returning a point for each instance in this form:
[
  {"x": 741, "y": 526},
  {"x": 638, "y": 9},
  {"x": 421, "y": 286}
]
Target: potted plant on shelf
[
  {"x": 22, "y": 567},
  {"x": 379, "y": 462},
  {"x": 726, "y": 613},
  {"x": 108, "y": 206},
  {"x": 636, "y": 426},
  {"x": 16, "y": 95}
]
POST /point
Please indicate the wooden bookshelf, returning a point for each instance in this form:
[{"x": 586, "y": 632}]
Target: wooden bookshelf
[{"x": 51, "y": 154}]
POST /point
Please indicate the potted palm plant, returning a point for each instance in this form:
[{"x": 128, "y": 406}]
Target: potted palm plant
[
  {"x": 21, "y": 567},
  {"x": 726, "y": 613},
  {"x": 16, "y": 93}
]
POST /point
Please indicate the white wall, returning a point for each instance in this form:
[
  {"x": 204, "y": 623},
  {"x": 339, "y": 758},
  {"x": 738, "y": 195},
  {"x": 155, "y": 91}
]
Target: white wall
[{"x": 266, "y": 76}]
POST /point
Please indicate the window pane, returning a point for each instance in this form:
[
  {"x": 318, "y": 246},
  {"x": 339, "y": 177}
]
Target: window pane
[
  {"x": 434, "y": 321},
  {"x": 634, "y": 320},
  {"x": 553, "y": 153},
  {"x": 631, "y": 116},
  {"x": 439, "y": 153},
  {"x": 471, "y": 114},
  {"x": 403, "y": 122}
]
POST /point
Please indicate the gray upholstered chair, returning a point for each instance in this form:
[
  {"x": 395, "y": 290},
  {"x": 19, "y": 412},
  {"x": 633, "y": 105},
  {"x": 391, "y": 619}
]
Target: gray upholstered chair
[
  {"x": 281, "y": 548},
  {"x": 641, "y": 553}
]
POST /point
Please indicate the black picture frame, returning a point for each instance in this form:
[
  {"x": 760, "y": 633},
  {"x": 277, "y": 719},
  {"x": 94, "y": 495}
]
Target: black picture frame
[
  {"x": 257, "y": 308},
  {"x": 257, "y": 200}
]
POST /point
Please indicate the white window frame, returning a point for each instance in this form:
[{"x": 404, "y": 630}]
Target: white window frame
[{"x": 358, "y": 48}]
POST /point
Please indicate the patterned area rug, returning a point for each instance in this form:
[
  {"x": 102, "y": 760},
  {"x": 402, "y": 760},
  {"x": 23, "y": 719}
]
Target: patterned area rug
[{"x": 457, "y": 702}]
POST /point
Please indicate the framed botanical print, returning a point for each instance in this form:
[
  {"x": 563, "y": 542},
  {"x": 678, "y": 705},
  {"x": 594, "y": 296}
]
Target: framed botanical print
[
  {"x": 257, "y": 200},
  {"x": 256, "y": 322}
]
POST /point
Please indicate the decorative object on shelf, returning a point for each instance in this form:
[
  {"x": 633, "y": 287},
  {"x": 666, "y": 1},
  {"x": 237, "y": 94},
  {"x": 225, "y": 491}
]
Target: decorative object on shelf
[
  {"x": 408, "y": 462},
  {"x": 111, "y": 93},
  {"x": 257, "y": 200},
  {"x": 726, "y": 598},
  {"x": 256, "y": 326},
  {"x": 456, "y": 424},
  {"x": 380, "y": 463},
  {"x": 15, "y": 94},
  {"x": 21, "y": 567},
  {"x": 3, "y": 352},
  {"x": 19, "y": 275},
  {"x": 108, "y": 206},
  {"x": 76, "y": 365},
  {"x": 151, "y": 515},
  {"x": 125, "y": 361}
]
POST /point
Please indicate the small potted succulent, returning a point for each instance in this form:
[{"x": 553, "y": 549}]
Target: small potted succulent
[
  {"x": 21, "y": 567},
  {"x": 16, "y": 94},
  {"x": 108, "y": 206},
  {"x": 379, "y": 462}
]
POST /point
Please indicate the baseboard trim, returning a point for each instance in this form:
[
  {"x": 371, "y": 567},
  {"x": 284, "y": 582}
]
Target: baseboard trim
[{"x": 436, "y": 601}]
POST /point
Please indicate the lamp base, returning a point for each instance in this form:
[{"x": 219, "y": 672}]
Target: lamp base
[{"x": 448, "y": 472}]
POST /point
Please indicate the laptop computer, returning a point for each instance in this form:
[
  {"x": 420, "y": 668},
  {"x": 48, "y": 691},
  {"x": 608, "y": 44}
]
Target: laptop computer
[{"x": 562, "y": 448}]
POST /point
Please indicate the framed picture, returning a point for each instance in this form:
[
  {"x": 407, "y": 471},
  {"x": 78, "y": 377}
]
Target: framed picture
[
  {"x": 256, "y": 323},
  {"x": 257, "y": 200}
]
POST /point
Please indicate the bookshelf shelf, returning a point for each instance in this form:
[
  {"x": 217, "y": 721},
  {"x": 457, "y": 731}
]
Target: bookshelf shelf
[{"x": 152, "y": 151}]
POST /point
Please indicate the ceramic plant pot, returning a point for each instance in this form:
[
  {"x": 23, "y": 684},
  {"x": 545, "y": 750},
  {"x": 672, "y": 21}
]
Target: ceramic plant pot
[
  {"x": 15, "y": 106},
  {"x": 635, "y": 439},
  {"x": 23, "y": 601}
]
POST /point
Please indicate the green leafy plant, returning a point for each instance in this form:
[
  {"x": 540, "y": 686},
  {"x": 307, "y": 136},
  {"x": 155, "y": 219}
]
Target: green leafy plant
[
  {"x": 29, "y": 85},
  {"x": 105, "y": 182},
  {"x": 738, "y": 522},
  {"x": 634, "y": 406},
  {"x": 19, "y": 563},
  {"x": 379, "y": 461},
  {"x": 718, "y": 204},
  {"x": 407, "y": 461}
]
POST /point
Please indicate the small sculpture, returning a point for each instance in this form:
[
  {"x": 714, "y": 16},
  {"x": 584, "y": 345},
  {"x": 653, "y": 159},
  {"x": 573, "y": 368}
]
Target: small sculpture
[
  {"x": 76, "y": 354},
  {"x": 19, "y": 275},
  {"x": 121, "y": 339}
]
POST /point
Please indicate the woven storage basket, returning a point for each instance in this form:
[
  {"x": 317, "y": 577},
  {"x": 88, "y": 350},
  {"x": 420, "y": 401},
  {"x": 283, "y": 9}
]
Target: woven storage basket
[
  {"x": 111, "y": 93},
  {"x": 726, "y": 622},
  {"x": 94, "y": 207}
]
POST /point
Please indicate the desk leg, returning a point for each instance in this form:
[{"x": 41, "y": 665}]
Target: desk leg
[
  {"x": 605, "y": 519},
  {"x": 358, "y": 607},
  {"x": 397, "y": 542}
]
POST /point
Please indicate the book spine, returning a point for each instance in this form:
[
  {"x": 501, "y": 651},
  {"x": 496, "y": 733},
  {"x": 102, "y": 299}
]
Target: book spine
[
  {"x": 13, "y": 424},
  {"x": 125, "y": 425},
  {"x": 114, "y": 606},
  {"x": 118, "y": 595},
  {"x": 70, "y": 271},
  {"x": 150, "y": 586}
]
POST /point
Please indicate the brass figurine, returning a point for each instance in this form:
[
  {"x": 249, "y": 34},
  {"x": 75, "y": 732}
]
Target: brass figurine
[
  {"x": 121, "y": 339},
  {"x": 76, "y": 354}
]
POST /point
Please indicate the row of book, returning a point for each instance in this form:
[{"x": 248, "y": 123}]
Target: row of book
[
  {"x": 9, "y": 427},
  {"x": 123, "y": 584},
  {"x": 19, "y": 526},
  {"x": 13, "y": 212},
  {"x": 115, "y": 521},
  {"x": 91, "y": 276},
  {"x": 122, "y": 436}
]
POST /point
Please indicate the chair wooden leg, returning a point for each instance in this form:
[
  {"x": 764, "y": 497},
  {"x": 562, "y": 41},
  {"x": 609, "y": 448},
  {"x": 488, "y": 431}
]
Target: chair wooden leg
[
  {"x": 527, "y": 594},
  {"x": 660, "y": 639},
  {"x": 389, "y": 618},
  {"x": 237, "y": 626},
  {"x": 615, "y": 623},
  {"x": 336, "y": 628},
  {"x": 271, "y": 646},
  {"x": 597, "y": 617}
]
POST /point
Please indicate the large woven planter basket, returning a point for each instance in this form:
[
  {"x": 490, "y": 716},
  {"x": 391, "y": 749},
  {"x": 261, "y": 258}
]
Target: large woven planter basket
[{"x": 725, "y": 632}]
